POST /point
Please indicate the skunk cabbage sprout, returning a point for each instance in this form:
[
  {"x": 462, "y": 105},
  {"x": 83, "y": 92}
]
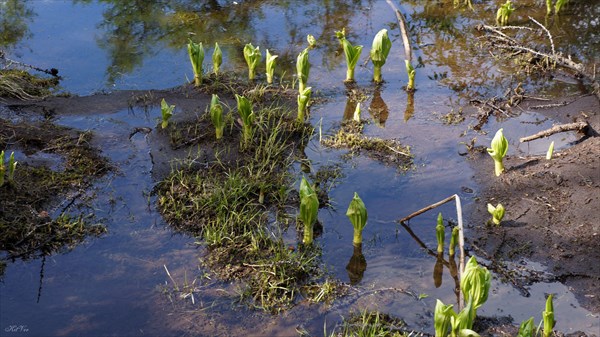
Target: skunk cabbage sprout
[
  {"x": 441, "y": 318},
  {"x": 548, "y": 317},
  {"x": 247, "y": 115},
  {"x": 217, "y": 58},
  {"x": 312, "y": 42},
  {"x": 498, "y": 151},
  {"x": 550, "y": 151},
  {"x": 196, "y": 53},
  {"x": 379, "y": 53},
  {"x": 357, "y": 213},
  {"x": 167, "y": 111},
  {"x": 357, "y": 113},
  {"x": 526, "y": 328},
  {"x": 252, "y": 56},
  {"x": 453, "y": 241},
  {"x": 463, "y": 322},
  {"x": 302, "y": 69},
  {"x": 309, "y": 209},
  {"x": 2, "y": 168},
  {"x": 496, "y": 212},
  {"x": 216, "y": 115},
  {"x": 410, "y": 70},
  {"x": 440, "y": 234},
  {"x": 303, "y": 98},
  {"x": 352, "y": 54},
  {"x": 475, "y": 283},
  {"x": 504, "y": 13},
  {"x": 559, "y": 4},
  {"x": 12, "y": 165},
  {"x": 270, "y": 60}
]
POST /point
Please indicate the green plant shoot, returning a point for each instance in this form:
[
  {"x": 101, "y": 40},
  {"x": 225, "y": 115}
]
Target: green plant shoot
[
  {"x": 302, "y": 70},
  {"x": 352, "y": 54},
  {"x": 356, "y": 116},
  {"x": 12, "y": 166},
  {"x": 216, "y": 115},
  {"x": 453, "y": 241},
  {"x": 498, "y": 151},
  {"x": 312, "y": 42},
  {"x": 196, "y": 53},
  {"x": 166, "y": 111},
  {"x": 548, "y": 317},
  {"x": 550, "y": 151},
  {"x": 379, "y": 53},
  {"x": 559, "y": 4},
  {"x": 548, "y": 7},
  {"x": 441, "y": 318},
  {"x": 496, "y": 212},
  {"x": 2, "y": 168},
  {"x": 504, "y": 12},
  {"x": 217, "y": 58},
  {"x": 410, "y": 70},
  {"x": 309, "y": 209},
  {"x": 357, "y": 213},
  {"x": 252, "y": 56},
  {"x": 475, "y": 283},
  {"x": 270, "y": 60},
  {"x": 247, "y": 115},
  {"x": 526, "y": 328},
  {"x": 462, "y": 323},
  {"x": 440, "y": 234},
  {"x": 303, "y": 99}
]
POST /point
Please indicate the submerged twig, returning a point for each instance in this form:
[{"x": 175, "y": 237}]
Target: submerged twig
[{"x": 578, "y": 126}]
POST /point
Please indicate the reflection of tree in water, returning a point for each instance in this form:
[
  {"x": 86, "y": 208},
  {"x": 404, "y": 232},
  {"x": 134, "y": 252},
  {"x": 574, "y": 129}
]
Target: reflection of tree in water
[
  {"x": 14, "y": 18},
  {"x": 140, "y": 28}
]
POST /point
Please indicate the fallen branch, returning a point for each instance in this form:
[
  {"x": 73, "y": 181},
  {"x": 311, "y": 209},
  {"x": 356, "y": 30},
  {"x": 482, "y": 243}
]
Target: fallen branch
[{"x": 578, "y": 126}]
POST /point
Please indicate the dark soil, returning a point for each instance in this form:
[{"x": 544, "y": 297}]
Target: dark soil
[{"x": 552, "y": 211}]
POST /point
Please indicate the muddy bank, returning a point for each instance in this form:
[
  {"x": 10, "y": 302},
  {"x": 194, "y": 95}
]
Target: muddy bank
[{"x": 551, "y": 211}]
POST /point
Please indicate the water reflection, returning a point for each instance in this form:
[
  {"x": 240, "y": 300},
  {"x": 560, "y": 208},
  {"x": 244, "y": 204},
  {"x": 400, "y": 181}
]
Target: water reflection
[
  {"x": 378, "y": 109},
  {"x": 15, "y": 16},
  {"x": 357, "y": 265}
]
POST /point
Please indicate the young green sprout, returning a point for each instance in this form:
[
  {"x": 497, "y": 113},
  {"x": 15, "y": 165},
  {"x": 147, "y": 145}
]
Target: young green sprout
[
  {"x": 462, "y": 323},
  {"x": 352, "y": 54},
  {"x": 548, "y": 7},
  {"x": 2, "y": 168},
  {"x": 475, "y": 283},
  {"x": 410, "y": 70},
  {"x": 167, "y": 111},
  {"x": 550, "y": 151},
  {"x": 440, "y": 234},
  {"x": 302, "y": 69},
  {"x": 453, "y": 241},
  {"x": 526, "y": 328},
  {"x": 309, "y": 209},
  {"x": 497, "y": 213},
  {"x": 441, "y": 318},
  {"x": 303, "y": 99},
  {"x": 356, "y": 116},
  {"x": 252, "y": 56},
  {"x": 247, "y": 115},
  {"x": 216, "y": 115},
  {"x": 548, "y": 317},
  {"x": 312, "y": 42},
  {"x": 498, "y": 151},
  {"x": 357, "y": 213},
  {"x": 196, "y": 53},
  {"x": 379, "y": 53},
  {"x": 504, "y": 13},
  {"x": 559, "y": 4},
  {"x": 12, "y": 165},
  {"x": 270, "y": 60},
  {"x": 217, "y": 58}
]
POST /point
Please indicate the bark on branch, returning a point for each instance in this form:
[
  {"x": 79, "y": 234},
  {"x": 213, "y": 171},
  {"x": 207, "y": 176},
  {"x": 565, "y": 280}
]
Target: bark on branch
[{"x": 578, "y": 126}]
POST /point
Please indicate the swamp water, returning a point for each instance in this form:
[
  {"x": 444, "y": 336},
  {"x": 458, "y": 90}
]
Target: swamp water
[{"x": 117, "y": 284}]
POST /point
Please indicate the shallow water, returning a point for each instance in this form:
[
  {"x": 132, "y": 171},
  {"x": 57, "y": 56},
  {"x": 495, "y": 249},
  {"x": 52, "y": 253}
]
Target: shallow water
[{"x": 112, "y": 285}]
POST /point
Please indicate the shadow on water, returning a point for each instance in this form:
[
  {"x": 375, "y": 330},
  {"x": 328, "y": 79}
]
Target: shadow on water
[{"x": 111, "y": 285}]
